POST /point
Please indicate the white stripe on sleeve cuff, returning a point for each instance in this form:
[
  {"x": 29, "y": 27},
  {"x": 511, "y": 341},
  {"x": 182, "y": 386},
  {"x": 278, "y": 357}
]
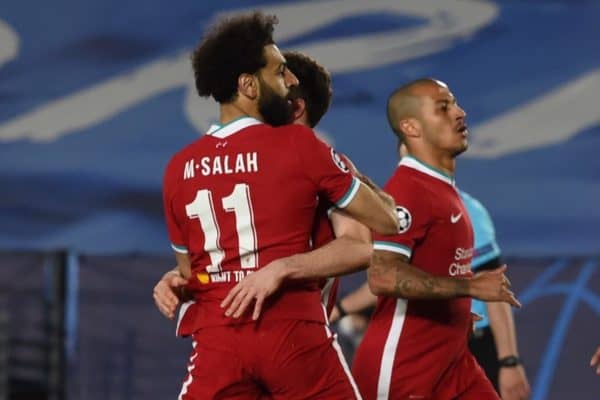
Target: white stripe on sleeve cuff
[
  {"x": 179, "y": 249},
  {"x": 349, "y": 196},
  {"x": 393, "y": 247}
]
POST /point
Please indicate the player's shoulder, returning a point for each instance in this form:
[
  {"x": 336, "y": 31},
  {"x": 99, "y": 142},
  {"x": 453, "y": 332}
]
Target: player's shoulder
[
  {"x": 294, "y": 129},
  {"x": 407, "y": 177},
  {"x": 410, "y": 191},
  {"x": 299, "y": 137},
  {"x": 297, "y": 131},
  {"x": 187, "y": 151},
  {"x": 185, "y": 155}
]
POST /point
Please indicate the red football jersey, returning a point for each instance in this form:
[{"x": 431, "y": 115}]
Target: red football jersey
[
  {"x": 322, "y": 234},
  {"x": 243, "y": 195},
  {"x": 409, "y": 344}
]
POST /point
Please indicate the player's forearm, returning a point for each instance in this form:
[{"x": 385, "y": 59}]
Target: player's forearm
[
  {"x": 184, "y": 264},
  {"x": 386, "y": 198},
  {"x": 339, "y": 257},
  {"x": 389, "y": 275},
  {"x": 174, "y": 271},
  {"x": 345, "y": 226},
  {"x": 368, "y": 208},
  {"x": 411, "y": 283},
  {"x": 359, "y": 300},
  {"x": 503, "y": 327}
]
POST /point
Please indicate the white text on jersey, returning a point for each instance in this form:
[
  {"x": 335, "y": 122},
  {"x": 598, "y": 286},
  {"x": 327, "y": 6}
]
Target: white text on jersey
[
  {"x": 458, "y": 268},
  {"x": 219, "y": 165}
]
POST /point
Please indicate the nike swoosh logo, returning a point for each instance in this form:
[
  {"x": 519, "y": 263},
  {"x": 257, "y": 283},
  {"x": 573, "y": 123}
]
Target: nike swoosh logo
[{"x": 454, "y": 218}]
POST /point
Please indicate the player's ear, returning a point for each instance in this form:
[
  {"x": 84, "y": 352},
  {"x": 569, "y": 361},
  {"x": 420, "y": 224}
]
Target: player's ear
[
  {"x": 411, "y": 127},
  {"x": 248, "y": 85},
  {"x": 299, "y": 107}
]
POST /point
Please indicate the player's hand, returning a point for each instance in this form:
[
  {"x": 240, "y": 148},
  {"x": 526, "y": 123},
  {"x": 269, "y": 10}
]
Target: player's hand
[
  {"x": 165, "y": 293},
  {"x": 254, "y": 287},
  {"x": 513, "y": 383},
  {"x": 493, "y": 285},
  {"x": 595, "y": 361}
]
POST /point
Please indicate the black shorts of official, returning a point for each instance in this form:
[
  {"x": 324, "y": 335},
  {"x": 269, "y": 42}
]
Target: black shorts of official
[{"x": 483, "y": 347}]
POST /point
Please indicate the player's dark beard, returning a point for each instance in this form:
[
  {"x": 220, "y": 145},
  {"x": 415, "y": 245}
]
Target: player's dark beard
[
  {"x": 458, "y": 152},
  {"x": 274, "y": 108}
]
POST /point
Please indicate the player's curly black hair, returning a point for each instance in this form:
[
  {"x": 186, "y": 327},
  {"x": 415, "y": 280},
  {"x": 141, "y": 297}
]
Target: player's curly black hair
[
  {"x": 231, "y": 47},
  {"x": 314, "y": 87}
]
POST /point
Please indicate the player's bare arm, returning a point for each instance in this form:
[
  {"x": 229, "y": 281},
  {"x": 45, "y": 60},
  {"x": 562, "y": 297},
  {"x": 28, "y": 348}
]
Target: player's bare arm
[
  {"x": 354, "y": 302},
  {"x": 512, "y": 381},
  {"x": 370, "y": 209},
  {"x": 389, "y": 200},
  {"x": 391, "y": 274},
  {"x": 184, "y": 264},
  {"x": 169, "y": 291},
  {"x": 362, "y": 298},
  {"x": 595, "y": 361},
  {"x": 349, "y": 252}
]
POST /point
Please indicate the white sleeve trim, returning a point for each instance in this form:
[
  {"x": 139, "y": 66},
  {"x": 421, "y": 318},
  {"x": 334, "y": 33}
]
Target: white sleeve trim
[
  {"x": 179, "y": 249},
  {"x": 393, "y": 247},
  {"x": 350, "y": 194}
]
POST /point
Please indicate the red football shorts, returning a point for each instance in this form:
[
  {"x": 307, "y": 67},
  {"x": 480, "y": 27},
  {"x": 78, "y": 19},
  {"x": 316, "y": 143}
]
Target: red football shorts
[{"x": 283, "y": 359}]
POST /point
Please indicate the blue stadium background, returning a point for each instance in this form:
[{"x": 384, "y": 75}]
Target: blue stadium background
[{"x": 96, "y": 95}]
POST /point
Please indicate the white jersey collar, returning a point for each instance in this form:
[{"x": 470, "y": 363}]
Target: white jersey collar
[
  {"x": 411, "y": 162},
  {"x": 222, "y": 131}
]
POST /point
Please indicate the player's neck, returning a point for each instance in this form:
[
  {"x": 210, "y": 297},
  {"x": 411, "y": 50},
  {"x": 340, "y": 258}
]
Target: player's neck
[
  {"x": 237, "y": 109},
  {"x": 448, "y": 165},
  {"x": 303, "y": 120},
  {"x": 441, "y": 162}
]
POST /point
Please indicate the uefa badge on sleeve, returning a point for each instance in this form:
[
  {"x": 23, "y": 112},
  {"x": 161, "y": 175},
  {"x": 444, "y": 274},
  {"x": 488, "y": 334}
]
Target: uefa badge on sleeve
[
  {"x": 404, "y": 218},
  {"x": 338, "y": 161}
]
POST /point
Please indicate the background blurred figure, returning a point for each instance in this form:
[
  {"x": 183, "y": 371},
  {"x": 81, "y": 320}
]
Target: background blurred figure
[
  {"x": 494, "y": 341},
  {"x": 595, "y": 361}
]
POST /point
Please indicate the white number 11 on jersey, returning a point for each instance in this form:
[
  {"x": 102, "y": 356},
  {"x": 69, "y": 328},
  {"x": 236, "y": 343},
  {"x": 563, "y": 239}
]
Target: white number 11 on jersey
[{"x": 238, "y": 202}]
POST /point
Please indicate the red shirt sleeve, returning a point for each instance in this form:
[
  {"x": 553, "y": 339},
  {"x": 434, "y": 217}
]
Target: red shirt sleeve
[
  {"x": 170, "y": 180},
  {"x": 414, "y": 213},
  {"x": 325, "y": 167}
]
